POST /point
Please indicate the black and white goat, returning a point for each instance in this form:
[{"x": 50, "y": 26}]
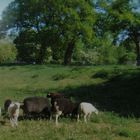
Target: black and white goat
[
  {"x": 13, "y": 112},
  {"x": 63, "y": 106}
]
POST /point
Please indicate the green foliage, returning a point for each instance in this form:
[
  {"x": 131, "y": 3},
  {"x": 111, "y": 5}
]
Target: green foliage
[
  {"x": 86, "y": 57},
  {"x": 48, "y": 56},
  {"x": 107, "y": 55},
  {"x": 8, "y": 52},
  {"x": 73, "y": 30},
  {"x": 27, "y": 47},
  {"x": 121, "y": 16},
  {"x": 128, "y": 58},
  {"x": 106, "y": 50},
  {"x": 56, "y": 27},
  {"x": 124, "y": 56}
]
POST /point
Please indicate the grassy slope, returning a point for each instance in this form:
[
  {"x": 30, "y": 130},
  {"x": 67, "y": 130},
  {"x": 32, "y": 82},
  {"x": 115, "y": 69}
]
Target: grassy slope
[{"x": 110, "y": 88}]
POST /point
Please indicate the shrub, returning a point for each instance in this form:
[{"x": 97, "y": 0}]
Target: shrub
[
  {"x": 28, "y": 52},
  {"x": 129, "y": 57},
  {"x": 107, "y": 55},
  {"x": 124, "y": 56},
  {"x": 8, "y": 52},
  {"x": 86, "y": 56},
  {"x": 48, "y": 56}
]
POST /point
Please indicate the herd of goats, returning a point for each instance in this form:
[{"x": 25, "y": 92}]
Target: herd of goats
[{"x": 43, "y": 107}]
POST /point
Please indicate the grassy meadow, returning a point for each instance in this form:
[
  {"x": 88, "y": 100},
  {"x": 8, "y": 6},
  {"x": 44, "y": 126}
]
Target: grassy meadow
[{"x": 114, "y": 90}]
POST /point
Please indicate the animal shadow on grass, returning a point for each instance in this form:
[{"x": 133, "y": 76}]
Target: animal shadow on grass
[{"x": 120, "y": 94}]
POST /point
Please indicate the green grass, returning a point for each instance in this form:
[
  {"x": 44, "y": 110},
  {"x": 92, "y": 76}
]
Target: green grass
[{"x": 114, "y": 90}]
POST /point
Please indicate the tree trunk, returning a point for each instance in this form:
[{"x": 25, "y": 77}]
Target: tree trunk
[{"x": 68, "y": 53}]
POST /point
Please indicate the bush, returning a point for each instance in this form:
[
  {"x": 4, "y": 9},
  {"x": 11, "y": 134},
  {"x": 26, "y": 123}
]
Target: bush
[
  {"x": 102, "y": 52},
  {"x": 124, "y": 56},
  {"x": 48, "y": 56},
  {"x": 87, "y": 56},
  {"x": 107, "y": 55},
  {"x": 128, "y": 58},
  {"x": 28, "y": 52},
  {"x": 8, "y": 52}
]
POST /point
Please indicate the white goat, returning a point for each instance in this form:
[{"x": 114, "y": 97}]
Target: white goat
[
  {"x": 87, "y": 109},
  {"x": 13, "y": 111}
]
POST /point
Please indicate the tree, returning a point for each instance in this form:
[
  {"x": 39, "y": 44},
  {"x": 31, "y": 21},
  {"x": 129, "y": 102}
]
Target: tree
[
  {"x": 55, "y": 22},
  {"x": 121, "y": 16},
  {"x": 26, "y": 44}
]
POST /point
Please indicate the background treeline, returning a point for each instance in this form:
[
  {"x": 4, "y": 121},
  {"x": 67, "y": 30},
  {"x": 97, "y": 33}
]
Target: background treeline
[{"x": 73, "y": 31}]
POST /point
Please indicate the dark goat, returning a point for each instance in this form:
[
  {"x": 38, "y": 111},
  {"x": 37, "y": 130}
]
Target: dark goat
[
  {"x": 64, "y": 106},
  {"x": 55, "y": 96},
  {"x": 6, "y": 104},
  {"x": 36, "y": 107}
]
